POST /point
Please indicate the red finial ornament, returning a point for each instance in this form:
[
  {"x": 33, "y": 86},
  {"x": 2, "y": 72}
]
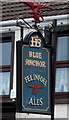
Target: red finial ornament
[{"x": 36, "y": 13}]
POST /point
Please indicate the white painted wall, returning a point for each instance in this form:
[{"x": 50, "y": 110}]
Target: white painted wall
[{"x": 17, "y": 37}]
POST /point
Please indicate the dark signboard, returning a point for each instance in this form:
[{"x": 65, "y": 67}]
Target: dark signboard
[{"x": 36, "y": 80}]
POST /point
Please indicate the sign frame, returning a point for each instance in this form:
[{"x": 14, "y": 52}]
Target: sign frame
[{"x": 20, "y": 45}]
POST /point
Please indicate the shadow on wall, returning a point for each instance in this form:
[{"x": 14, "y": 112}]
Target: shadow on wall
[{"x": 41, "y": 119}]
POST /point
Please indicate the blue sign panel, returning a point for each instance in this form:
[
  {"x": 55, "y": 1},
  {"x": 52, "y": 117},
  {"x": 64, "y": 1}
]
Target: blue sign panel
[{"x": 35, "y": 76}]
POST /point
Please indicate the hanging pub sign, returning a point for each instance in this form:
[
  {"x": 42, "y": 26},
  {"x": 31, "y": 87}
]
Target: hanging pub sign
[{"x": 34, "y": 80}]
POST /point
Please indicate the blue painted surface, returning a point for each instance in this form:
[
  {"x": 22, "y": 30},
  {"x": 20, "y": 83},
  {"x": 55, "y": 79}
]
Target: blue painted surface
[{"x": 35, "y": 100}]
